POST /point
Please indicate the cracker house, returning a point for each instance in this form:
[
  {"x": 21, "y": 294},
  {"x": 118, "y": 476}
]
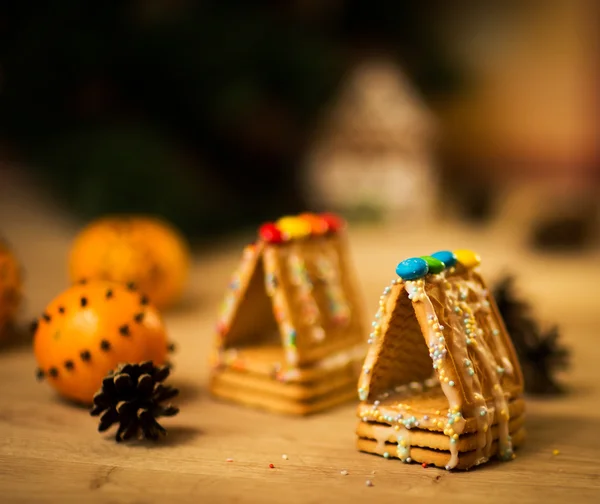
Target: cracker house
[
  {"x": 441, "y": 383},
  {"x": 375, "y": 147},
  {"x": 290, "y": 335}
]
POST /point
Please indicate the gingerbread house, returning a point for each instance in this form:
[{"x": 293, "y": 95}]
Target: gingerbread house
[
  {"x": 290, "y": 332},
  {"x": 373, "y": 151},
  {"x": 441, "y": 383}
]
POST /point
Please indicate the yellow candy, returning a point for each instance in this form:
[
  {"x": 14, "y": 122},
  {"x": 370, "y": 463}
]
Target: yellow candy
[
  {"x": 294, "y": 227},
  {"x": 467, "y": 258}
]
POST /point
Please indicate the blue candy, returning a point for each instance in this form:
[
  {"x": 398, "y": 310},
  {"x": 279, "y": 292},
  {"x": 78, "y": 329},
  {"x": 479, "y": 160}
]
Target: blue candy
[
  {"x": 412, "y": 268},
  {"x": 446, "y": 256}
]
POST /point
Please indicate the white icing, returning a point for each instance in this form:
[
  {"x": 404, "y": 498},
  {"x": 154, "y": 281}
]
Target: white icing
[
  {"x": 281, "y": 309},
  {"x": 404, "y": 443},
  {"x": 463, "y": 365},
  {"x": 381, "y": 434},
  {"x": 301, "y": 280},
  {"x": 488, "y": 366},
  {"x": 332, "y": 362},
  {"x": 341, "y": 359},
  {"x": 483, "y": 305},
  {"x": 328, "y": 268}
]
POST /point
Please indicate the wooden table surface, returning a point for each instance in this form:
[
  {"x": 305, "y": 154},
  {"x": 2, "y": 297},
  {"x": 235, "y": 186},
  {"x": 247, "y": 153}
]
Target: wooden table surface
[{"x": 50, "y": 450}]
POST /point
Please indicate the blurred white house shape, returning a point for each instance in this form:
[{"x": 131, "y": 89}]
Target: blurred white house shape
[{"x": 374, "y": 147}]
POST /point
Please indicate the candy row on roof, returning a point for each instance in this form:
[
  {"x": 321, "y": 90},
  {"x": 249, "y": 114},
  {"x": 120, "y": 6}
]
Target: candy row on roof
[
  {"x": 418, "y": 267},
  {"x": 300, "y": 226}
]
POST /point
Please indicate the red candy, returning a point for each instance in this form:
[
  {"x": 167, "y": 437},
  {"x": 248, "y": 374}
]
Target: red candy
[
  {"x": 222, "y": 328},
  {"x": 334, "y": 223},
  {"x": 271, "y": 466},
  {"x": 270, "y": 233}
]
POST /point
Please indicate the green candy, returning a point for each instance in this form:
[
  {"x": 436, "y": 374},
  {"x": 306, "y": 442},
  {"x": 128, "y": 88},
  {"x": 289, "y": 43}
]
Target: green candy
[{"x": 435, "y": 265}]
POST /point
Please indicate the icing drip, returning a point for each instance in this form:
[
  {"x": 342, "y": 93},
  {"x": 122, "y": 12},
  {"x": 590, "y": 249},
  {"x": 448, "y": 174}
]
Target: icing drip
[
  {"x": 485, "y": 359},
  {"x": 483, "y": 305},
  {"x": 280, "y": 307},
  {"x": 404, "y": 445},
  {"x": 469, "y": 379},
  {"x": 338, "y": 304},
  {"x": 338, "y": 360},
  {"x": 381, "y": 434},
  {"x": 438, "y": 352},
  {"x": 435, "y": 341},
  {"x": 301, "y": 280}
]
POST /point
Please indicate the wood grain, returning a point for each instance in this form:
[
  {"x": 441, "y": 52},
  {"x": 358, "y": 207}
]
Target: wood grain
[{"x": 50, "y": 450}]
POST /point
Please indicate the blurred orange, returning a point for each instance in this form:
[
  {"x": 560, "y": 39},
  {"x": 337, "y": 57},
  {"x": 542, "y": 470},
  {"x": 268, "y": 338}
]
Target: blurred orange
[{"x": 146, "y": 251}]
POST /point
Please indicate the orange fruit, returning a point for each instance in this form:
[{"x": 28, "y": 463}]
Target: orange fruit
[
  {"x": 144, "y": 250},
  {"x": 10, "y": 286},
  {"x": 91, "y": 328}
]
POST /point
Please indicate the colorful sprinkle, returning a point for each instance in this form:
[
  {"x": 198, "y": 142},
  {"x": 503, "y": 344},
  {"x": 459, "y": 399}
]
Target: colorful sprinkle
[
  {"x": 284, "y": 457},
  {"x": 343, "y": 472},
  {"x": 229, "y": 460},
  {"x": 555, "y": 452},
  {"x": 328, "y": 272},
  {"x": 271, "y": 466},
  {"x": 369, "y": 483}
]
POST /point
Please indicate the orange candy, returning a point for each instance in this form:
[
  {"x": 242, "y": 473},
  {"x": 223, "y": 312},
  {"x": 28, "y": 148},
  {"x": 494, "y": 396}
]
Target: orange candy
[
  {"x": 10, "y": 286},
  {"x": 318, "y": 225},
  {"x": 91, "y": 328},
  {"x": 143, "y": 250}
]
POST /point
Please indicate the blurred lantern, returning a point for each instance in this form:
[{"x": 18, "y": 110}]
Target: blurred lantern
[{"x": 374, "y": 150}]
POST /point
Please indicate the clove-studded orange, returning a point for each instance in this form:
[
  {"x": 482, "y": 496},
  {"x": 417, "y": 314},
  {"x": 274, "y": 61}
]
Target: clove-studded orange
[
  {"x": 144, "y": 250},
  {"x": 91, "y": 328},
  {"x": 10, "y": 286}
]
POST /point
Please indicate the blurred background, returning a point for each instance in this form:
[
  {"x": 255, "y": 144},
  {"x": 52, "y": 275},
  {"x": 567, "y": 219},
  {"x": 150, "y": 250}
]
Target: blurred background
[{"x": 220, "y": 115}]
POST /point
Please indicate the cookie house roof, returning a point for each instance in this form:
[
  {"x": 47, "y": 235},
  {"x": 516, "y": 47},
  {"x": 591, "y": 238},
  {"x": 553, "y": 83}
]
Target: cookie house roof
[
  {"x": 272, "y": 290},
  {"x": 439, "y": 314}
]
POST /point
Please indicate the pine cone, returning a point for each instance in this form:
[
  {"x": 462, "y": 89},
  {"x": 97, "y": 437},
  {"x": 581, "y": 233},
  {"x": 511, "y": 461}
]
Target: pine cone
[
  {"x": 131, "y": 396},
  {"x": 540, "y": 353}
]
